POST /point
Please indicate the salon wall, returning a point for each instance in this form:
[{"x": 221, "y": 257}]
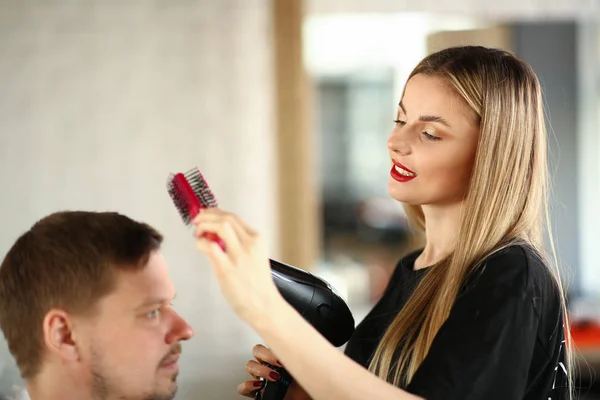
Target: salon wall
[
  {"x": 565, "y": 56},
  {"x": 551, "y": 49},
  {"x": 100, "y": 100}
]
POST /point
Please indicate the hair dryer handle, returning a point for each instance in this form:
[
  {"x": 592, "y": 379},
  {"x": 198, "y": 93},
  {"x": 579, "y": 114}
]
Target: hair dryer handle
[
  {"x": 275, "y": 390},
  {"x": 319, "y": 305}
]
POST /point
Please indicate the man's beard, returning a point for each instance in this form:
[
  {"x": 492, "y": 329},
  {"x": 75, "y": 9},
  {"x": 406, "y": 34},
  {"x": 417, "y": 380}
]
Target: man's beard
[
  {"x": 104, "y": 387},
  {"x": 102, "y": 390}
]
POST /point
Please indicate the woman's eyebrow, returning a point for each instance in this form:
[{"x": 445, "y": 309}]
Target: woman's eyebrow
[{"x": 428, "y": 118}]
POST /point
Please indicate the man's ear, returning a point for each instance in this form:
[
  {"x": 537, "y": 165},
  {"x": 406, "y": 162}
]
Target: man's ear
[{"x": 59, "y": 337}]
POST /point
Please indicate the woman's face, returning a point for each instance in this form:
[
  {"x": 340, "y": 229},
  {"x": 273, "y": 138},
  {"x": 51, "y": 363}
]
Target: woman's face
[{"x": 433, "y": 144}]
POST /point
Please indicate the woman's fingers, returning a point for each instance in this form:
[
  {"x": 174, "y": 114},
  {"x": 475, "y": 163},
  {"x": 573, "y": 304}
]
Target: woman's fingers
[
  {"x": 227, "y": 226},
  {"x": 237, "y": 237},
  {"x": 263, "y": 354},
  {"x": 258, "y": 370},
  {"x": 243, "y": 269},
  {"x": 242, "y": 224},
  {"x": 213, "y": 251},
  {"x": 249, "y": 388},
  {"x": 234, "y": 221},
  {"x": 225, "y": 232}
]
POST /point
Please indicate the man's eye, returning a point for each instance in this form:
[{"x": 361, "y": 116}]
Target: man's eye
[{"x": 153, "y": 314}]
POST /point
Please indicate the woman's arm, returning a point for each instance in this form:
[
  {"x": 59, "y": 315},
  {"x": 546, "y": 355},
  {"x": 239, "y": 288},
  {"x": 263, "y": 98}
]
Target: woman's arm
[
  {"x": 323, "y": 371},
  {"x": 243, "y": 273}
]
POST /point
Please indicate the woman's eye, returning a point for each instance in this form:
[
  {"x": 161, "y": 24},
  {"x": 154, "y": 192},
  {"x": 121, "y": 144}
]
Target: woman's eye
[
  {"x": 431, "y": 137},
  {"x": 428, "y": 136}
]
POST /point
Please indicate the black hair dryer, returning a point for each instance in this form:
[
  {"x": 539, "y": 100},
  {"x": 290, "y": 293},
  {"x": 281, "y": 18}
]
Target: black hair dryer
[{"x": 319, "y": 304}]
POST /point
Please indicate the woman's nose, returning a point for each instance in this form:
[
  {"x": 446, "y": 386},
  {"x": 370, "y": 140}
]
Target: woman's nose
[{"x": 397, "y": 143}]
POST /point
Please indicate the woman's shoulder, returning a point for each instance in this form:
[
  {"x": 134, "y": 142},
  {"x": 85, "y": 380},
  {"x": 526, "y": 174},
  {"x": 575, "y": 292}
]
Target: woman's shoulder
[
  {"x": 406, "y": 263},
  {"x": 403, "y": 272},
  {"x": 516, "y": 270}
]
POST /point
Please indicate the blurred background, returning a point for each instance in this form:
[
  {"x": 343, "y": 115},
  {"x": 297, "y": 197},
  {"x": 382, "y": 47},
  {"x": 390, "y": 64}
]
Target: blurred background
[{"x": 285, "y": 106}]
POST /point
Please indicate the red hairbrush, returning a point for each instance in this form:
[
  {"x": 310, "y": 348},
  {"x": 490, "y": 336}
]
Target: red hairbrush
[{"x": 190, "y": 194}]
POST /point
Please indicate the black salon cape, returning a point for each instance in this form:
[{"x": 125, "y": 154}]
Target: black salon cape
[{"x": 503, "y": 339}]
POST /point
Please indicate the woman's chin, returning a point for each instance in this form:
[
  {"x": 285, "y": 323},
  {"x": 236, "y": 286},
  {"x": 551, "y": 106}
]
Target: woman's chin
[{"x": 401, "y": 194}]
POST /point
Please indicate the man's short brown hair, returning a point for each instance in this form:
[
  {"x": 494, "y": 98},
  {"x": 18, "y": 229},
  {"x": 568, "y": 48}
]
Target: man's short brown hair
[{"x": 67, "y": 260}]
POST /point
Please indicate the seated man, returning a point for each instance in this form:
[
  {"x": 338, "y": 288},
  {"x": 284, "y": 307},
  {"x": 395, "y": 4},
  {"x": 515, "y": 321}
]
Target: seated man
[{"x": 85, "y": 306}]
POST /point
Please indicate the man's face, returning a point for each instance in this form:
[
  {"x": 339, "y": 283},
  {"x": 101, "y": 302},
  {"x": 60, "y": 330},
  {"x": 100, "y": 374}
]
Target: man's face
[{"x": 130, "y": 348}]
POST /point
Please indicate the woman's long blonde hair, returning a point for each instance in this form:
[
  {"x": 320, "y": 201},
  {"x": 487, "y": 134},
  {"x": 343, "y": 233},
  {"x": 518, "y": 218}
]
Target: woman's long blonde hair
[{"x": 506, "y": 202}]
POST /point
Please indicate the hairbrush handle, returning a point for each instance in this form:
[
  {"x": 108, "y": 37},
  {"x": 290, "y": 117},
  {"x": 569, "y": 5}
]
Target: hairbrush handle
[{"x": 215, "y": 238}]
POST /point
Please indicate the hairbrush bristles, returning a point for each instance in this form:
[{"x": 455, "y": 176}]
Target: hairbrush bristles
[
  {"x": 200, "y": 188},
  {"x": 190, "y": 193}
]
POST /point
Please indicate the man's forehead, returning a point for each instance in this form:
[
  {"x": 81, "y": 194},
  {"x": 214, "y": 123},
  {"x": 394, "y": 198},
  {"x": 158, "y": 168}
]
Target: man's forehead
[{"x": 151, "y": 281}]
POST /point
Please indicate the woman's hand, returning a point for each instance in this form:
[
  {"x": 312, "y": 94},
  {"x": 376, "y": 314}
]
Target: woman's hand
[
  {"x": 258, "y": 371},
  {"x": 242, "y": 269}
]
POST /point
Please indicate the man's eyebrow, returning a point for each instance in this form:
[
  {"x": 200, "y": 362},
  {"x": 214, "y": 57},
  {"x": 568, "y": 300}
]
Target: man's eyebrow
[
  {"x": 154, "y": 301},
  {"x": 428, "y": 118}
]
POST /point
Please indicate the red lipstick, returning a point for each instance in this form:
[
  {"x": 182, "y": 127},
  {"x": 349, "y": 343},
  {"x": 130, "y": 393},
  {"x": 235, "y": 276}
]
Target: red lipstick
[{"x": 397, "y": 175}]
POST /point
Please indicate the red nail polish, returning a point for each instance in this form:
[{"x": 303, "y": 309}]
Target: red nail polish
[
  {"x": 258, "y": 383},
  {"x": 275, "y": 375}
]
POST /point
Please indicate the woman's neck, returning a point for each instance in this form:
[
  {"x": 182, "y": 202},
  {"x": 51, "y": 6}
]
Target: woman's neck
[{"x": 441, "y": 228}]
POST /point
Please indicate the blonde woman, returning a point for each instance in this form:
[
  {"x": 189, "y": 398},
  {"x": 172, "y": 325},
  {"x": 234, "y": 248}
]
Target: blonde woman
[{"x": 479, "y": 312}]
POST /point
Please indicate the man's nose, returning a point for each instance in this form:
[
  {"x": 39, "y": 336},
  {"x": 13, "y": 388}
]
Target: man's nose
[{"x": 180, "y": 330}]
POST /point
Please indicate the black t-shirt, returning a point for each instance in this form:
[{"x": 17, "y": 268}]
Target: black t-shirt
[{"x": 503, "y": 338}]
